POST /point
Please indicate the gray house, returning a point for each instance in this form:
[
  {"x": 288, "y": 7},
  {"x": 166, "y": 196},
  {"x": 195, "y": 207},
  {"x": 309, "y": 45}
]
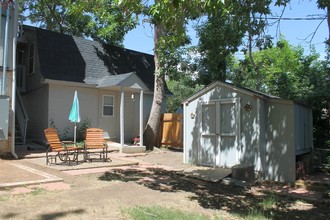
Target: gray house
[
  {"x": 114, "y": 85},
  {"x": 225, "y": 125}
]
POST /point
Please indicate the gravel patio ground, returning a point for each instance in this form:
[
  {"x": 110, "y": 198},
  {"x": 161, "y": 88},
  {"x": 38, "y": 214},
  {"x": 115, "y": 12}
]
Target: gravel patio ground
[{"x": 157, "y": 180}]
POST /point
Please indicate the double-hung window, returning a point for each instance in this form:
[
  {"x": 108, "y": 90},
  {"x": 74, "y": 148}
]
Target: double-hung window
[{"x": 108, "y": 105}]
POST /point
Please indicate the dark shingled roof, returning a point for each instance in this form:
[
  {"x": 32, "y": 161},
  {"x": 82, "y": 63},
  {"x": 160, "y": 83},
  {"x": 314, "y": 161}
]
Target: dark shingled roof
[{"x": 75, "y": 59}]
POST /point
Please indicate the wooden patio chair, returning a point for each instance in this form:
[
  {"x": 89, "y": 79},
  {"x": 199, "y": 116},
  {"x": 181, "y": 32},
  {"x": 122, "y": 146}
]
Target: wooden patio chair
[
  {"x": 95, "y": 144},
  {"x": 65, "y": 150}
]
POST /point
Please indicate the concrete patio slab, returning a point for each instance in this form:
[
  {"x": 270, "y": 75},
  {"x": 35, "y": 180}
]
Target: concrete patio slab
[
  {"x": 14, "y": 174},
  {"x": 126, "y": 148},
  {"x": 115, "y": 162}
]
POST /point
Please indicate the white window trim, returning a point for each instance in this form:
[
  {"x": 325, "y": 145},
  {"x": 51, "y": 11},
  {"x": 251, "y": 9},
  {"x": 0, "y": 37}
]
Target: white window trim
[{"x": 113, "y": 106}]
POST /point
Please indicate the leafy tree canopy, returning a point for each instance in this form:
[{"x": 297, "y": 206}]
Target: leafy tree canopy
[
  {"x": 279, "y": 68},
  {"x": 183, "y": 83},
  {"x": 223, "y": 34},
  {"x": 102, "y": 20}
]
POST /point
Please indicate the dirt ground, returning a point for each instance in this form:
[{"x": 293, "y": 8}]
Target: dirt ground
[{"x": 105, "y": 195}]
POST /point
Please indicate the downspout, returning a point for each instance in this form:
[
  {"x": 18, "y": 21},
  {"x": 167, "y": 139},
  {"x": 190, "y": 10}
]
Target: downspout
[
  {"x": 5, "y": 53},
  {"x": 141, "y": 118},
  {"x": 122, "y": 115},
  {"x": 0, "y": 37},
  {"x": 184, "y": 131},
  {"x": 0, "y": 32},
  {"x": 13, "y": 86}
]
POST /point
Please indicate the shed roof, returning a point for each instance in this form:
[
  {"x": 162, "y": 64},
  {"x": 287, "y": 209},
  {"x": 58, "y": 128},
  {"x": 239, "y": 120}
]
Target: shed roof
[{"x": 231, "y": 86}]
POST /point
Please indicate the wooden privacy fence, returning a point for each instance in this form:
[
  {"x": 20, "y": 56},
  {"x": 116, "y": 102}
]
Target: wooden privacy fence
[{"x": 171, "y": 130}]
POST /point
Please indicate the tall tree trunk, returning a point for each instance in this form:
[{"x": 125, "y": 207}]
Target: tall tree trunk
[{"x": 152, "y": 128}]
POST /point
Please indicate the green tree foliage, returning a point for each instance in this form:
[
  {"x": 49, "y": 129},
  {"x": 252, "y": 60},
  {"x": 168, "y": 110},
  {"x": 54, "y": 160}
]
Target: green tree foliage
[
  {"x": 101, "y": 20},
  {"x": 223, "y": 33},
  {"x": 58, "y": 15},
  {"x": 169, "y": 18},
  {"x": 182, "y": 82},
  {"x": 219, "y": 38},
  {"x": 278, "y": 70},
  {"x": 109, "y": 20},
  {"x": 286, "y": 72},
  {"x": 319, "y": 98},
  {"x": 182, "y": 89}
]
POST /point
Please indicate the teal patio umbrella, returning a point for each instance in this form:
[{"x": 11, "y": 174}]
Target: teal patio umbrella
[{"x": 75, "y": 114}]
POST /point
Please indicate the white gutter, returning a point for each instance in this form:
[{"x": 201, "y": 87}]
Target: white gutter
[
  {"x": 141, "y": 118},
  {"x": 0, "y": 25},
  {"x": 184, "y": 121},
  {"x": 122, "y": 115},
  {"x": 5, "y": 53},
  {"x": 13, "y": 86}
]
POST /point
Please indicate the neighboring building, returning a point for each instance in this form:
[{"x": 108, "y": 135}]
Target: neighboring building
[
  {"x": 109, "y": 80},
  {"x": 225, "y": 125},
  {"x": 8, "y": 33}
]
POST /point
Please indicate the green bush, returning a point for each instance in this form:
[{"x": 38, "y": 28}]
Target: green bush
[
  {"x": 63, "y": 135},
  {"x": 81, "y": 129}
]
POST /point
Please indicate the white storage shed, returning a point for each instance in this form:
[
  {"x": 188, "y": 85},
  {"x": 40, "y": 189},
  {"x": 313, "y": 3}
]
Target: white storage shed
[{"x": 225, "y": 125}]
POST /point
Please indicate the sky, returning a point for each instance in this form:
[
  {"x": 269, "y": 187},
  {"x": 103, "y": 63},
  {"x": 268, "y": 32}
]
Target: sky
[{"x": 297, "y": 32}]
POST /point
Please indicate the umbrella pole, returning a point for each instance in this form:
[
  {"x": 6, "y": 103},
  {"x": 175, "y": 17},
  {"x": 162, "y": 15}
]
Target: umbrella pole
[{"x": 75, "y": 133}]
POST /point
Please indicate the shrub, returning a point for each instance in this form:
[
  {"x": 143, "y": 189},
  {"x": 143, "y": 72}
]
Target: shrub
[{"x": 81, "y": 129}]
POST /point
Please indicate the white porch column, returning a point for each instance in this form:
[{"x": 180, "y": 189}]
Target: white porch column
[
  {"x": 122, "y": 116},
  {"x": 184, "y": 131},
  {"x": 141, "y": 118}
]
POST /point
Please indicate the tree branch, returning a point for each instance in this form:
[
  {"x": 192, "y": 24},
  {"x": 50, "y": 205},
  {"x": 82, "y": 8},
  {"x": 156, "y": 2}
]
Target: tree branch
[
  {"x": 314, "y": 33},
  {"x": 279, "y": 21},
  {"x": 258, "y": 84},
  {"x": 56, "y": 18}
]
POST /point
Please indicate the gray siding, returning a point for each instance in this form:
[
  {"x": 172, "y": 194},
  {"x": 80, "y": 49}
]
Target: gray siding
[
  {"x": 58, "y": 101},
  {"x": 147, "y": 100},
  {"x": 109, "y": 124},
  {"x": 36, "y": 105},
  {"x": 250, "y": 129},
  {"x": 33, "y": 80},
  {"x": 263, "y": 136},
  {"x": 2, "y": 36},
  {"x": 130, "y": 116},
  {"x": 191, "y": 132},
  {"x": 303, "y": 121},
  {"x": 280, "y": 151}
]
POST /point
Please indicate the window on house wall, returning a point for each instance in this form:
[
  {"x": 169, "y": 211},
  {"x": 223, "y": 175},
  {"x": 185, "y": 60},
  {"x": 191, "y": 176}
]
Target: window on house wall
[
  {"x": 108, "y": 101},
  {"x": 31, "y": 58}
]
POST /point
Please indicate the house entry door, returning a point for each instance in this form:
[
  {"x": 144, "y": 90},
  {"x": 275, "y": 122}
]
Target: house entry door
[{"x": 220, "y": 120}]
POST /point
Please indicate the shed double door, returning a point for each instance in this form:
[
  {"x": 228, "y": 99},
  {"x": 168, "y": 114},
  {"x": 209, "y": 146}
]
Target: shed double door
[{"x": 220, "y": 122}]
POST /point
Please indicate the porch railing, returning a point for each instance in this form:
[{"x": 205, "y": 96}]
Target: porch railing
[{"x": 21, "y": 116}]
